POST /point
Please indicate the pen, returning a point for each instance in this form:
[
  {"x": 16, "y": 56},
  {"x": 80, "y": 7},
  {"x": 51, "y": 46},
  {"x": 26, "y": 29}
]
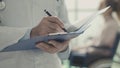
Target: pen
[
  {"x": 47, "y": 12},
  {"x": 51, "y": 15}
]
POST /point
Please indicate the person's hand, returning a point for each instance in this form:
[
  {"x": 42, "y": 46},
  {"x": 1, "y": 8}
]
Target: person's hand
[
  {"x": 50, "y": 25},
  {"x": 47, "y": 25},
  {"x": 108, "y": 14},
  {"x": 53, "y": 46}
]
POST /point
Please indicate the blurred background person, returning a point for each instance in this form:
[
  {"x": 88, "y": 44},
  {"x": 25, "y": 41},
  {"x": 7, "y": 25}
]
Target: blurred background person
[
  {"x": 114, "y": 16},
  {"x": 101, "y": 46},
  {"x": 115, "y": 5}
]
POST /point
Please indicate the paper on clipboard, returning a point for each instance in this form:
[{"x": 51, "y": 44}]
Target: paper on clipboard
[{"x": 29, "y": 44}]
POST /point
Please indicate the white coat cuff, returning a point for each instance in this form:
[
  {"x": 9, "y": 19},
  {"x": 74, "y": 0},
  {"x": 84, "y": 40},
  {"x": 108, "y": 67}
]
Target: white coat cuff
[
  {"x": 65, "y": 54},
  {"x": 26, "y": 36}
]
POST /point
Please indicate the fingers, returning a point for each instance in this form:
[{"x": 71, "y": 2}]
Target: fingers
[
  {"x": 49, "y": 25},
  {"x": 50, "y": 28},
  {"x": 60, "y": 46},
  {"x": 54, "y": 20},
  {"x": 47, "y": 48},
  {"x": 55, "y": 28},
  {"x": 52, "y": 46}
]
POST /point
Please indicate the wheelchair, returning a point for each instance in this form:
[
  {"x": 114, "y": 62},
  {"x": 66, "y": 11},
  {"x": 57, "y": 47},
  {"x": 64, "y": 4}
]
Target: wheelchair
[{"x": 94, "y": 60}]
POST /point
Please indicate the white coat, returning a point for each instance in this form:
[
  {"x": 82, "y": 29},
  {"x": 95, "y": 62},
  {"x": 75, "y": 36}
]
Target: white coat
[{"x": 19, "y": 15}]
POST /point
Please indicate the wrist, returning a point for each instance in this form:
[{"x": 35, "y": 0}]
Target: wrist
[
  {"x": 33, "y": 33},
  {"x": 26, "y": 36}
]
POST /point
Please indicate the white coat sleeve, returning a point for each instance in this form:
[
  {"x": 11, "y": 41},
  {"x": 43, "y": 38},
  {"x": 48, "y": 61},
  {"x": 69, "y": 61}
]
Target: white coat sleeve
[
  {"x": 62, "y": 14},
  {"x": 10, "y": 35}
]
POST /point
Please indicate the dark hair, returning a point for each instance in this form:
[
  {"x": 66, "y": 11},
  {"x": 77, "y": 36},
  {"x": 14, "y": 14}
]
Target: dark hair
[{"x": 115, "y": 4}]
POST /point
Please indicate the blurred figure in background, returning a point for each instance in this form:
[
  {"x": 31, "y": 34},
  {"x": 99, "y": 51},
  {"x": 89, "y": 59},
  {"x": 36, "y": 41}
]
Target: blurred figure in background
[
  {"x": 115, "y": 5},
  {"x": 102, "y": 45}
]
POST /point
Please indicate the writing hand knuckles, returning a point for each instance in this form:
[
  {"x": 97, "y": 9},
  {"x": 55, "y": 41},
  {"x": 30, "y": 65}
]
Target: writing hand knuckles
[
  {"x": 53, "y": 25},
  {"x": 55, "y": 18},
  {"x": 55, "y": 28},
  {"x": 57, "y": 21},
  {"x": 45, "y": 18}
]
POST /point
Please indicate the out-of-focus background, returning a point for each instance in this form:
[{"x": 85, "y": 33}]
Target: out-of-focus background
[{"x": 78, "y": 10}]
